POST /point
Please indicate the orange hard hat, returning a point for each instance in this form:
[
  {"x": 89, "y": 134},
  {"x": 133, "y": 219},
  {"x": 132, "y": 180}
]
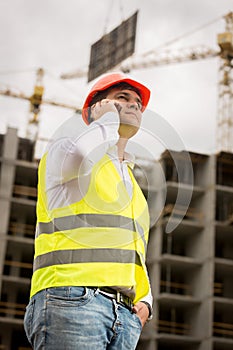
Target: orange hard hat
[{"x": 109, "y": 80}]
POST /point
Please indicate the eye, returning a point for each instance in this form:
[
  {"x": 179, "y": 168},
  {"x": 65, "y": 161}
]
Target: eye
[{"x": 122, "y": 97}]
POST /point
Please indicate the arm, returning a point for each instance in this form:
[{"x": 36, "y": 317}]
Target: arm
[{"x": 72, "y": 157}]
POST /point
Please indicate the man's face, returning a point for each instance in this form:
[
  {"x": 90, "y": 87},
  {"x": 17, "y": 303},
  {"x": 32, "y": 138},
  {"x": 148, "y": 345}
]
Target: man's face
[{"x": 129, "y": 105}]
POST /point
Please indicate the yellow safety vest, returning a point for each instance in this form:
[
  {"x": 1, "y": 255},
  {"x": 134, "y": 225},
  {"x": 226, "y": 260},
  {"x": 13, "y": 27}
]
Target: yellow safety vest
[{"x": 99, "y": 241}]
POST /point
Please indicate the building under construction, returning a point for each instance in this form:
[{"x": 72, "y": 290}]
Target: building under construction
[{"x": 190, "y": 267}]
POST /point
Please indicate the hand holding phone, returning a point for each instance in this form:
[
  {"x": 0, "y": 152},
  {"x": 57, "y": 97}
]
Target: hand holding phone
[{"x": 101, "y": 107}]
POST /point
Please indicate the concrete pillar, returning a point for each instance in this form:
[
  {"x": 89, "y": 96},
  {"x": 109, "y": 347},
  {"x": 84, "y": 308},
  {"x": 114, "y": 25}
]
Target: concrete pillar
[
  {"x": 202, "y": 318},
  {"x": 10, "y": 148}
]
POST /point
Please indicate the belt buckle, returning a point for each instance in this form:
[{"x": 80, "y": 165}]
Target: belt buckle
[{"x": 126, "y": 301}]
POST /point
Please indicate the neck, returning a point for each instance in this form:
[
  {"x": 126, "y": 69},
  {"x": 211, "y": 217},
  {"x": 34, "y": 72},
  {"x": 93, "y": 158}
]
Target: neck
[{"x": 121, "y": 144}]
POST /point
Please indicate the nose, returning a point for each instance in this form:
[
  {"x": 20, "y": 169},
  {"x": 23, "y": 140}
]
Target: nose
[{"x": 133, "y": 105}]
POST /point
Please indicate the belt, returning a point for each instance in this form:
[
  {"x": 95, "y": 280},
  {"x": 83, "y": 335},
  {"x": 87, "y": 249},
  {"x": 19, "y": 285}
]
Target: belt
[{"x": 119, "y": 297}]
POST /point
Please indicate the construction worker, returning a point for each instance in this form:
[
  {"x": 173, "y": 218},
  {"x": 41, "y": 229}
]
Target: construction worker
[{"x": 90, "y": 287}]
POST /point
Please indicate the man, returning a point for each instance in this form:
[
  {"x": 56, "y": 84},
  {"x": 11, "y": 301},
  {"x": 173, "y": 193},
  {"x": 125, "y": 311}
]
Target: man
[{"x": 90, "y": 288}]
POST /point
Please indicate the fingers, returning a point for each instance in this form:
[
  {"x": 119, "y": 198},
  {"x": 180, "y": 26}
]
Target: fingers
[
  {"x": 100, "y": 103},
  {"x": 102, "y": 107},
  {"x": 142, "y": 312}
]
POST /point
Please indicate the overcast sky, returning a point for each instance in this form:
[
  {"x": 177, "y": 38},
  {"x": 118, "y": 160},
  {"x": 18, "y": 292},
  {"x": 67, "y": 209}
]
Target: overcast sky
[{"x": 57, "y": 34}]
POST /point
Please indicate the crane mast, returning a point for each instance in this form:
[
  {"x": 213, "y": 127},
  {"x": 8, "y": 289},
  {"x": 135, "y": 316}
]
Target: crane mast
[{"x": 225, "y": 98}]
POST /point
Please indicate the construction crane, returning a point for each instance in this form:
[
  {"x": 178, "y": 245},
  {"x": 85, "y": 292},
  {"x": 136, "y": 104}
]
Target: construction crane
[
  {"x": 225, "y": 112},
  {"x": 36, "y": 99},
  {"x": 225, "y": 52}
]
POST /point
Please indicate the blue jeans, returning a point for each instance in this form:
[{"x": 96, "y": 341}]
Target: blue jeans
[{"x": 79, "y": 318}]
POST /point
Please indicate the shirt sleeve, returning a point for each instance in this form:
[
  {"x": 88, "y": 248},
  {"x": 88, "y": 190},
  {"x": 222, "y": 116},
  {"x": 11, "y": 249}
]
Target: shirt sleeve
[
  {"x": 71, "y": 157},
  {"x": 148, "y": 298}
]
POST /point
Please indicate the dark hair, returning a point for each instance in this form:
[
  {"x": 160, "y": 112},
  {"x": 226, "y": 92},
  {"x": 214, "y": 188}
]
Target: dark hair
[{"x": 100, "y": 95}]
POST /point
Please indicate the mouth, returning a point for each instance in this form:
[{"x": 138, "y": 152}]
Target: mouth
[
  {"x": 130, "y": 119},
  {"x": 131, "y": 113}
]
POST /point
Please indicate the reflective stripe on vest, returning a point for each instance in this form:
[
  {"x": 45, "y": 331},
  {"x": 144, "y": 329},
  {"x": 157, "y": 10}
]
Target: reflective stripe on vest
[
  {"x": 86, "y": 255},
  {"x": 72, "y": 222}
]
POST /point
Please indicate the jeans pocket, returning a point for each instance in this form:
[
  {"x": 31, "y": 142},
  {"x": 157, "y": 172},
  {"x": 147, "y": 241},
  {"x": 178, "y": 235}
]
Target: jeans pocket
[
  {"x": 68, "y": 296},
  {"x": 28, "y": 319}
]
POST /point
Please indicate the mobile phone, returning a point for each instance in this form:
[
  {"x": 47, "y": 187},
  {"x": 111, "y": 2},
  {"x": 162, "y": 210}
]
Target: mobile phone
[{"x": 118, "y": 106}]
